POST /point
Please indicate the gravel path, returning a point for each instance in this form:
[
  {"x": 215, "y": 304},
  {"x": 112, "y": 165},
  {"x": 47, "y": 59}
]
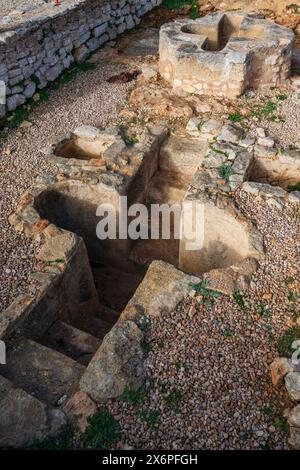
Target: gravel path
[
  {"x": 8, "y": 7},
  {"x": 218, "y": 358},
  {"x": 89, "y": 99},
  {"x": 286, "y": 132},
  {"x": 14, "y": 12}
]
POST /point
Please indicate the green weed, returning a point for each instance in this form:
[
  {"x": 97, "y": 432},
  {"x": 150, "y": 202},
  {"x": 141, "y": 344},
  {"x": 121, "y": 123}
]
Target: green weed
[
  {"x": 209, "y": 296},
  {"x": 286, "y": 340},
  {"x": 239, "y": 299},
  {"x": 102, "y": 431},
  {"x": 225, "y": 171},
  {"x": 150, "y": 417},
  {"x": 134, "y": 396}
]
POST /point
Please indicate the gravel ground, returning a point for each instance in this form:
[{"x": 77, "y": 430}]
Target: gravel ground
[
  {"x": 89, "y": 99},
  {"x": 15, "y": 12},
  {"x": 14, "y": 6},
  {"x": 218, "y": 358},
  {"x": 286, "y": 131}
]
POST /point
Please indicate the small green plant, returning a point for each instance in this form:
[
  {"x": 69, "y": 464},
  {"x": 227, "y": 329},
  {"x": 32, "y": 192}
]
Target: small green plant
[
  {"x": 294, "y": 8},
  {"x": 267, "y": 410},
  {"x": 263, "y": 310},
  {"x": 56, "y": 261},
  {"x": 281, "y": 424},
  {"x": 225, "y": 171},
  {"x": 295, "y": 70},
  {"x": 286, "y": 340},
  {"x": 281, "y": 97},
  {"x": 35, "y": 79},
  {"x": 294, "y": 187},
  {"x": 146, "y": 345},
  {"x": 44, "y": 95},
  {"x": 267, "y": 111},
  {"x": 130, "y": 141},
  {"x": 102, "y": 431},
  {"x": 133, "y": 396},
  {"x": 144, "y": 323},
  {"x": 173, "y": 398},
  {"x": 239, "y": 299},
  {"x": 209, "y": 296},
  {"x": 194, "y": 12},
  {"x": 163, "y": 387},
  {"x": 218, "y": 150},
  {"x": 180, "y": 365},
  {"x": 86, "y": 66},
  {"x": 150, "y": 417},
  {"x": 229, "y": 333},
  {"x": 292, "y": 297},
  {"x": 17, "y": 117},
  {"x": 236, "y": 117}
]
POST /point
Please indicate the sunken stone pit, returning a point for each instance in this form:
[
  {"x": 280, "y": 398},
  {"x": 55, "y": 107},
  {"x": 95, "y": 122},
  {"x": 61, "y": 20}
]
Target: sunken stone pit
[
  {"x": 92, "y": 296},
  {"x": 224, "y": 53}
]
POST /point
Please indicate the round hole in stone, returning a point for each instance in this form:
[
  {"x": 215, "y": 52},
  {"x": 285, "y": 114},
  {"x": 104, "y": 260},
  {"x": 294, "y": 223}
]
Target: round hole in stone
[
  {"x": 80, "y": 148},
  {"x": 226, "y": 243}
]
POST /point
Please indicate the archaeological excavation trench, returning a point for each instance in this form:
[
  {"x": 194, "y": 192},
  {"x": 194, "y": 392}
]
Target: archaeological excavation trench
[{"x": 57, "y": 339}]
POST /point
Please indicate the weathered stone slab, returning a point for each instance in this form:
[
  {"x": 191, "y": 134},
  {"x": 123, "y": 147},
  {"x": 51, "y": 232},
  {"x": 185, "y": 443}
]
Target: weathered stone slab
[
  {"x": 118, "y": 363},
  {"x": 41, "y": 371}
]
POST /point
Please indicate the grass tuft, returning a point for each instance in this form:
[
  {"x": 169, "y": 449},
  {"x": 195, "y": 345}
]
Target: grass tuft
[{"x": 102, "y": 431}]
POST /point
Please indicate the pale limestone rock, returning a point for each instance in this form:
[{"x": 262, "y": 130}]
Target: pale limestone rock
[
  {"x": 162, "y": 289},
  {"x": 212, "y": 126},
  {"x": 193, "y": 126},
  {"x": 59, "y": 247},
  {"x": 23, "y": 419},
  {"x": 194, "y": 59},
  {"x": 231, "y": 133},
  {"x": 279, "y": 368},
  {"x": 265, "y": 142},
  {"x": 261, "y": 132},
  {"x": 294, "y": 422},
  {"x": 118, "y": 363},
  {"x": 292, "y": 383}
]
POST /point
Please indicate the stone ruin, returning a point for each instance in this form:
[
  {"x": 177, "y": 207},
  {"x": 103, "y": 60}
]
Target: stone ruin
[
  {"x": 82, "y": 320},
  {"x": 223, "y": 54}
]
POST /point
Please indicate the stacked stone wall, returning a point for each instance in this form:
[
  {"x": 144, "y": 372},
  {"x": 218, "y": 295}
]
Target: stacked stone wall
[{"x": 40, "y": 49}]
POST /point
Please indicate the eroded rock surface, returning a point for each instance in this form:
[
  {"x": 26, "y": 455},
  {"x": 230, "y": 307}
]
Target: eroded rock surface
[{"x": 118, "y": 363}]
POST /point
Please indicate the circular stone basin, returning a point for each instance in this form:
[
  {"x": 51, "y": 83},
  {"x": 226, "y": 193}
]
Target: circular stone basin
[{"x": 224, "y": 53}]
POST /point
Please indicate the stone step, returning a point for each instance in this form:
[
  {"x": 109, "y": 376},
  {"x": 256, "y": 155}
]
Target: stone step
[
  {"x": 92, "y": 325},
  {"x": 24, "y": 418},
  {"x": 182, "y": 155},
  {"x": 44, "y": 373},
  {"x": 115, "y": 287},
  {"x": 166, "y": 188},
  {"x": 71, "y": 341}
]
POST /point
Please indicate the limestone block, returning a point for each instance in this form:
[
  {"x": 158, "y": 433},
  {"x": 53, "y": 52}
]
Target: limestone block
[
  {"x": 213, "y": 55},
  {"x": 118, "y": 363}
]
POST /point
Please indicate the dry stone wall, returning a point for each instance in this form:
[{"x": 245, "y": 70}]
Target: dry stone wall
[{"x": 37, "y": 51}]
